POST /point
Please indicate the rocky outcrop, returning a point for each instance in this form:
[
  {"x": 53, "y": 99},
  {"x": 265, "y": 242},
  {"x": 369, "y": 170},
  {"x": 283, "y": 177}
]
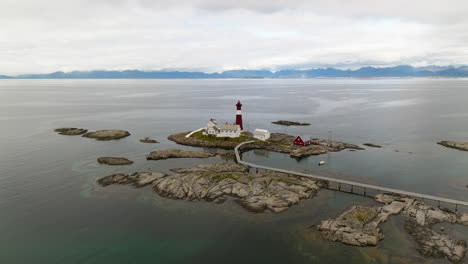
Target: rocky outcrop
[
  {"x": 289, "y": 123},
  {"x": 71, "y": 131},
  {"x": 372, "y": 145},
  {"x": 148, "y": 140},
  {"x": 359, "y": 226},
  {"x": 177, "y": 153},
  {"x": 114, "y": 161},
  {"x": 107, "y": 134},
  {"x": 420, "y": 221},
  {"x": 278, "y": 142},
  {"x": 274, "y": 192},
  {"x": 455, "y": 144},
  {"x": 139, "y": 179}
]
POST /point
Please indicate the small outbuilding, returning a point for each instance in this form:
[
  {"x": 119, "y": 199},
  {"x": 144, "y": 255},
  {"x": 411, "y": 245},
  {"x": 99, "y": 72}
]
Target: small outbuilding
[
  {"x": 261, "y": 134},
  {"x": 298, "y": 142},
  {"x": 228, "y": 130}
]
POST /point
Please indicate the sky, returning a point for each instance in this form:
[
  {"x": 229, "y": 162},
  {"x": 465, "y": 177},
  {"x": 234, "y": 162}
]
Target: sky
[{"x": 38, "y": 36}]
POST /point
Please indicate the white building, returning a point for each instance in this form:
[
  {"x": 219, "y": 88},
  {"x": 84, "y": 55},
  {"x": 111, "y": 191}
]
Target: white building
[
  {"x": 261, "y": 134},
  {"x": 231, "y": 131},
  {"x": 211, "y": 128}
]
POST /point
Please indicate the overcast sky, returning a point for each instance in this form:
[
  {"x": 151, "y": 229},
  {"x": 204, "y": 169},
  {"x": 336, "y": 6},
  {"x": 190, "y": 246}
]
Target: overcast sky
[{"x": 38, "y": 36}]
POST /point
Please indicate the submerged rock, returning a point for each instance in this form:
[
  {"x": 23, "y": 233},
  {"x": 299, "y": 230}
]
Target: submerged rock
[
  {"x": 359, "y": 226},
  {"x": 148, "y": 140},
  {"x": 274, "y": 192},
  {"x": 71, "y": 131},
  {"x": 372, "y": 145},
  {"x": 289, "y": 123},
  {"x": 114, "y": 161},
  {"x": 435, "y": 244},
  {"x": 455, "y": 144},
  {"x": 420, "y": 219},
  {"x": 107, "y": 134}
]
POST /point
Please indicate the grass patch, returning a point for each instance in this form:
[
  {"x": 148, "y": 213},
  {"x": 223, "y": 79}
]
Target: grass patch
[
  {"x": 210, "y": 138},
  {"x": 217, "y": 177}
]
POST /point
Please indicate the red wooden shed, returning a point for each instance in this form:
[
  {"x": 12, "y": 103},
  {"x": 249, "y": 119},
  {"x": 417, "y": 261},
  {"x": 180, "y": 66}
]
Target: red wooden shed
[{"x": 298, "y": 141}]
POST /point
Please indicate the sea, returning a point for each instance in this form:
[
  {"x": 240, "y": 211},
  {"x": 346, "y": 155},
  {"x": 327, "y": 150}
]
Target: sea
[{"x": 53, "y": 211}]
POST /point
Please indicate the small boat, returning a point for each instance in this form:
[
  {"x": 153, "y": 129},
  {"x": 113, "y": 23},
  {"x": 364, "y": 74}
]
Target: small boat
[{"x": 321, "y": 163}]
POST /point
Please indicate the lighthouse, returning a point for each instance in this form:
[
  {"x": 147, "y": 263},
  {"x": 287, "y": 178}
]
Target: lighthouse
[{"x": 239, "y": 115}]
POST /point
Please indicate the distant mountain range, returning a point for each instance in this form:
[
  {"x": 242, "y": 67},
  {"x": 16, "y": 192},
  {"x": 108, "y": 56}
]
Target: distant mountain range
[{"x": 397, "y": 71}]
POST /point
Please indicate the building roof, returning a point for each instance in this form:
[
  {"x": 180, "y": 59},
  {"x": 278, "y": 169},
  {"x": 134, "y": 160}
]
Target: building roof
[
  {"x": 261, "y": 131},
  {"x": 229, "y": 127}
]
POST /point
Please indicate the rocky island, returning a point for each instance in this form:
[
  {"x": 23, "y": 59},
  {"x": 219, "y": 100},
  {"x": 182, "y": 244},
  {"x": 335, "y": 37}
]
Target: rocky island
[
  {"x": 177, "y": 153},
  {"x": 114, "y": 161},
  {"x": 289, "y": 123},
  {"x": 71, "y": 131},
  {"x": 372, "y": 145},
  {"x": 105, "y": 135},
  {"x": 455, "y": 144},
  {"x": 360, "y": 226},
  {"x": 148, "y": 140},
  {"x": 278, "y": 142},
  {"x": 274, "y": 192}
]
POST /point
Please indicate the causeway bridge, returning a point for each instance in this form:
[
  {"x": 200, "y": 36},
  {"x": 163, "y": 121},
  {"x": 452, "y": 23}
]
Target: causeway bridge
[{"x": 352, "y": 184}]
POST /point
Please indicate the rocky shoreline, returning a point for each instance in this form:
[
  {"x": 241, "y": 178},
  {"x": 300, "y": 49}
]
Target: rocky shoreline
[
  {"x": 177, "y": 154},
  {"x": 360, "y": 226},
  {"x": 274, "y": 192},
  {"x": 454, "y": 144},
  {"x": 278, "y": 142}
]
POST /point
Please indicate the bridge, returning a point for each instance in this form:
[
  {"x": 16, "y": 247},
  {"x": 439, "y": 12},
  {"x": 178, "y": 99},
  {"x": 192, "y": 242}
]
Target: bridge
[{"x": 340, "y": 182}]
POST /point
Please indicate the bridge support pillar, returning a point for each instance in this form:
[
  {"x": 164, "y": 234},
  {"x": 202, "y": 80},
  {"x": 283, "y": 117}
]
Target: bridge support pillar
[
  {"x": 339, "y": 186},
  {"x": 364, "y": 191}
]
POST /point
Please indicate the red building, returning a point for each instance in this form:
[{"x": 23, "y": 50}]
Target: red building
[{"x": 298, "y": 142}]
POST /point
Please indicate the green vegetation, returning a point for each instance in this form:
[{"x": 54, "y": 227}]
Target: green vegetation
[
  {"x": 210, "y": 138},
  {"x": 217, "y": 177},
  {"x": 365, "y": 215}
]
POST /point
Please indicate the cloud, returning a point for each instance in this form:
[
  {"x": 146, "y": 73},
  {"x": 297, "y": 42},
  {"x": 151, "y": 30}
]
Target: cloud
[{"x": 209, "y": 35}]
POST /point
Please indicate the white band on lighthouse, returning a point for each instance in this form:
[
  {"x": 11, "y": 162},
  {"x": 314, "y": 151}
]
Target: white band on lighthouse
[{"x": 238, "y": 112}]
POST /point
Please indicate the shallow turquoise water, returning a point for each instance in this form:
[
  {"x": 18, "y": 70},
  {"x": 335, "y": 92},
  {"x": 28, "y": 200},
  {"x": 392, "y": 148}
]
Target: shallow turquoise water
[{"x": 52, "y": 210}]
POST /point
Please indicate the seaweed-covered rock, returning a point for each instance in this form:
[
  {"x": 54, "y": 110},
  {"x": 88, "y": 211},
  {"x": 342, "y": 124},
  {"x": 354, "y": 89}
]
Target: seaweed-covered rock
[
  {"x": 372, "y": 145},
  {"x": 114, "y": 161},
  {"x": 71, "y": 131},
  {"x": 105, "y": 135}
]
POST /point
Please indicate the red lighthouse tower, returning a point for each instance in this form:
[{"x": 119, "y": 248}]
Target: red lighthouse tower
[{"x": 239, "y": 115}]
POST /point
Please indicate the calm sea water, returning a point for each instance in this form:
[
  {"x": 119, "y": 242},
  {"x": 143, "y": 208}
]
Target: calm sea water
[{"x": 52, "y": 210}]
